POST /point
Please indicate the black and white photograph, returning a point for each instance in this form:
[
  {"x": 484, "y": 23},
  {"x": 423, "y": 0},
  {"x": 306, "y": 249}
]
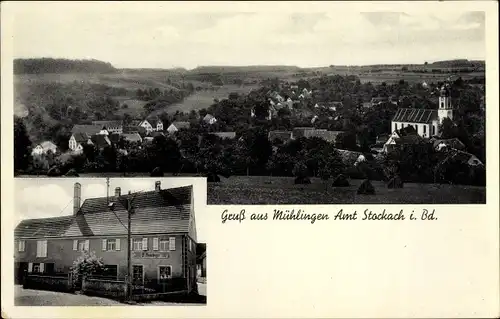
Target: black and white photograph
[
  {"x": 295, "y": 109},
  {"x": 105, "y": 242}
]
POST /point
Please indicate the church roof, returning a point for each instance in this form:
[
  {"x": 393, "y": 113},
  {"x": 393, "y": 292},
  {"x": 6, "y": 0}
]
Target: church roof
[{"x": 415, "y": 115}]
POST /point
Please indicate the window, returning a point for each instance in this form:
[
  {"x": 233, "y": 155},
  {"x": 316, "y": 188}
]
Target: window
[
  {"x": 442, "y": 104},
  {"x": 41, "y": 248},
  {"x": 111, "y": 244},
  {"x": 425, "y": 128},
  {"x": 21, "y": 245},
  {"x": 81, "y": 244},
  {"x": 155, "y": 243},
  {"x": 36, "y": 267},
  {"x": 163, "y": 245},
  {"x": 164, "y": 272},
  {"x": 396, "y": 126},
  {"x": 110, "y": 271},
  {"x": 171, "y": 243},
  {"x": 140, "y": 244},
  {"x": 433, "y": 130},
  {"x": 49, "y": 268}
]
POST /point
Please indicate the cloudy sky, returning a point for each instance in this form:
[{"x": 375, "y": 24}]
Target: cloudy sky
[
  {"x": 163, "y": 35},
  {"x": 46, "y": 197}
]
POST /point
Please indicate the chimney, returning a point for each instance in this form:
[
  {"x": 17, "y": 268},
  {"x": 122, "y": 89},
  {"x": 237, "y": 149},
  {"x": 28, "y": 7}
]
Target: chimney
[
  {"x": 157, "y": 186},
  {"x": 117, "y": 192},
  {"x": 77, "y": 198}
]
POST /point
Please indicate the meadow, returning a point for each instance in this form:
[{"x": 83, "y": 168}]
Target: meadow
[{"x": 204, "y": 98}]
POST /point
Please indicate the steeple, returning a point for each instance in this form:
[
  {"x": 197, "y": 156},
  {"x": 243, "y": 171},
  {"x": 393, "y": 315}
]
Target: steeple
[{"x": 445, "y": 109}]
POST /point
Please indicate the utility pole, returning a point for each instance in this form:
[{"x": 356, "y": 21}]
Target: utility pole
[{"x": 129, "y": 250}]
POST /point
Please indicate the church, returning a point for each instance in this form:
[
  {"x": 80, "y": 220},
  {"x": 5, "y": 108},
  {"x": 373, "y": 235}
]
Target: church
[{"x": 425, "y": 121}]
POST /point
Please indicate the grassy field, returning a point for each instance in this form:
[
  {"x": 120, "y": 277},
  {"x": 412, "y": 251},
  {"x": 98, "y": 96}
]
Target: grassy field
[
  {"x": 243, "y": 190},
  {"x": 203, "y": 99},
  {"x": 411, "y": 77}
]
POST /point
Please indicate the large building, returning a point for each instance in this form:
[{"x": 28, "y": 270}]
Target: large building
[
  {"x": 163, "y": 237},
  {"x": 425, "y": 121}
]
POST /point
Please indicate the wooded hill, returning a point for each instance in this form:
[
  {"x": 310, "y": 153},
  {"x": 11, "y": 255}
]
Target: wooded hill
[{"x": 50, "y": 65}]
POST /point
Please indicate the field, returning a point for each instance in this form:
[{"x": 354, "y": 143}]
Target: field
[
  {"x": 203, "y": 99},
  {"x": 411, "y": 77},
  {"x": 243, "y": 190}
]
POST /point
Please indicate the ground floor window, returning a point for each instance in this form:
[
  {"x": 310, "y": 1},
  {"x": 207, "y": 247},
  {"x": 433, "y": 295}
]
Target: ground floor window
[
  {"x": 49, "y": 268},
  {"x": 138, "y": 274},
  {"x": 164, "y": 273},
  {"x": 110, "y": 271}
]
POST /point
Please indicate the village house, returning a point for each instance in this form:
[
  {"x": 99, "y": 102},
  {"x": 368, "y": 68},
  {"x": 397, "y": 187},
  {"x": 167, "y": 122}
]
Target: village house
[
  {"x": 224, "y": 135},
  {"x": 209, "y": 119},
  {"x": 283, "y": 136},
  {"x": 201, "y": 264},
  {"x": 132, "y": 137},
  {"x": 298, "y": 132},
  {"x": 403, "y": 136},
  {"x": 82, "y": 134},
  {"x": 446, "y": 144},
  {"x": 151, "y": 125},
  {"x": 110, "y": 126},
  {"x": 163, "y": 237},
  {"x": 100, "y": 141},
  {"x": 425, "y": 121},
  {"x": 43, "y": 148},
  {"x": 176, "y": 126}
]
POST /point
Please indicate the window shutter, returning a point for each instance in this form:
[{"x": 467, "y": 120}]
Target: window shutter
[
  {"x": 131, "y": 244},
  {"x": 44, "y": 248},
  {"x": 118, "y": 243},
  {"x": 41, "y": 267},
  {"x": 171, "y": 243},
  {"x": 75, "y": 244},
  {"x": 155, "y": 243},
  {"x": 87, "y": 245},
  {"x": 20, "y": 245},
  {"x": 104, "y": 244},
  {"x": 30, "y": 267},
  {"x": 39, "y": 248},
  {"x": 144, "y": 244}
]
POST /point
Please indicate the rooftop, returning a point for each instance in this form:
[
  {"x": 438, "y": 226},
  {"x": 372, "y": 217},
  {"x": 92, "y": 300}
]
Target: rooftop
[{"x": 415, "y": 115}]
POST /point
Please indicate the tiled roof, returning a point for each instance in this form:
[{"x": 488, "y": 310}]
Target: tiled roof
[
  {"x": 132, "y": 137},
  {"x": 100, "y": 141},
  {"x": 229, "y": 135},
  {"x": 181, "y": 125},
  {"x": 108, "y": 124},
  {"x": 282, "y": 135},
  {"x": 415, "y": 115},
  {"x": 88, "y": 129},
  {"x": 409, "y": 139},
  {"x": 48, "y": 145},
  {"x": 154, "y": 121},
  {"x": 166, "y": 211},
  {"x": 114, "y": 138},
  {"x": 81, "y": 137},
  {"x": 43, "y": 227}
]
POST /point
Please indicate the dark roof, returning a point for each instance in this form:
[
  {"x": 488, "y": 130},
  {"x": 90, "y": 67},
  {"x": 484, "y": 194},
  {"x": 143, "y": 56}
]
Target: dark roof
[
  {"x": 88, "y": 129},
  {"x": 329, "y": 136},
  {"x": 166, "y": 211},
  {"x": 409, "y": 139},
  {"x": 108, "y": 124},
  {"x": 154, "y": 121},
  {"x": 100, "y": 141},
  {"x": 180, "y": 125},
  {"x": 409, "y": 130},
  {"x": 155, "y": 134},
  {"x": 114, "y": 138},
  {"x": 415, "y": 115},
  {"x": 282, "y": 135},
  {"x": 81, "y": 137}
]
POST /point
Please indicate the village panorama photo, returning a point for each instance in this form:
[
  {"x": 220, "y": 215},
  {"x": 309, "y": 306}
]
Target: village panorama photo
[
  {"x": 102, "y": 242},
  {"x": 292, "y": 108}
]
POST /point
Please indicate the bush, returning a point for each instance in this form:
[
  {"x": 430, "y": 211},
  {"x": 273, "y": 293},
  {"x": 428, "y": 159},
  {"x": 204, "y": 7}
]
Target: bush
[
  {"x": 340, "y": 181},
  {"x": 86, "y": 265},
  {"x": 54, "y": 171},
  {"x": 366, "y": 188},
  {"x": 212, "y": 178},
  {"x": 72, "y": 172},
  {"x": 395, "y": 182}
]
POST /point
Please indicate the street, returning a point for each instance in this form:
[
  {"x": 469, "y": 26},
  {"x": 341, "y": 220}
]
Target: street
[{"x": 30, "y": 297}]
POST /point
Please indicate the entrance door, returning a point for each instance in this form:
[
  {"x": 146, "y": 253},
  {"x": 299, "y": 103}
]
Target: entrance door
[
  {"x": 138, "y": 275},
  {"x": 21, "y": 269}
]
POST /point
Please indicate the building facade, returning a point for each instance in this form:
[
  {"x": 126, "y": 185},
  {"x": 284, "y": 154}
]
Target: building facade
[{"x": 163, "y": 237}]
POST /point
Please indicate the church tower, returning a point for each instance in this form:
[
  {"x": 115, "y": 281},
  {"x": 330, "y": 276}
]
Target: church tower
[{"x": 445, "y": 109}]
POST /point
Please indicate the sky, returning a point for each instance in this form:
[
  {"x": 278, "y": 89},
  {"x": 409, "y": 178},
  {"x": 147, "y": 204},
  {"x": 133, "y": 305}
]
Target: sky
[
  {"x": 159, "y": 36},
  {"x": 48, "y": 197}
]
